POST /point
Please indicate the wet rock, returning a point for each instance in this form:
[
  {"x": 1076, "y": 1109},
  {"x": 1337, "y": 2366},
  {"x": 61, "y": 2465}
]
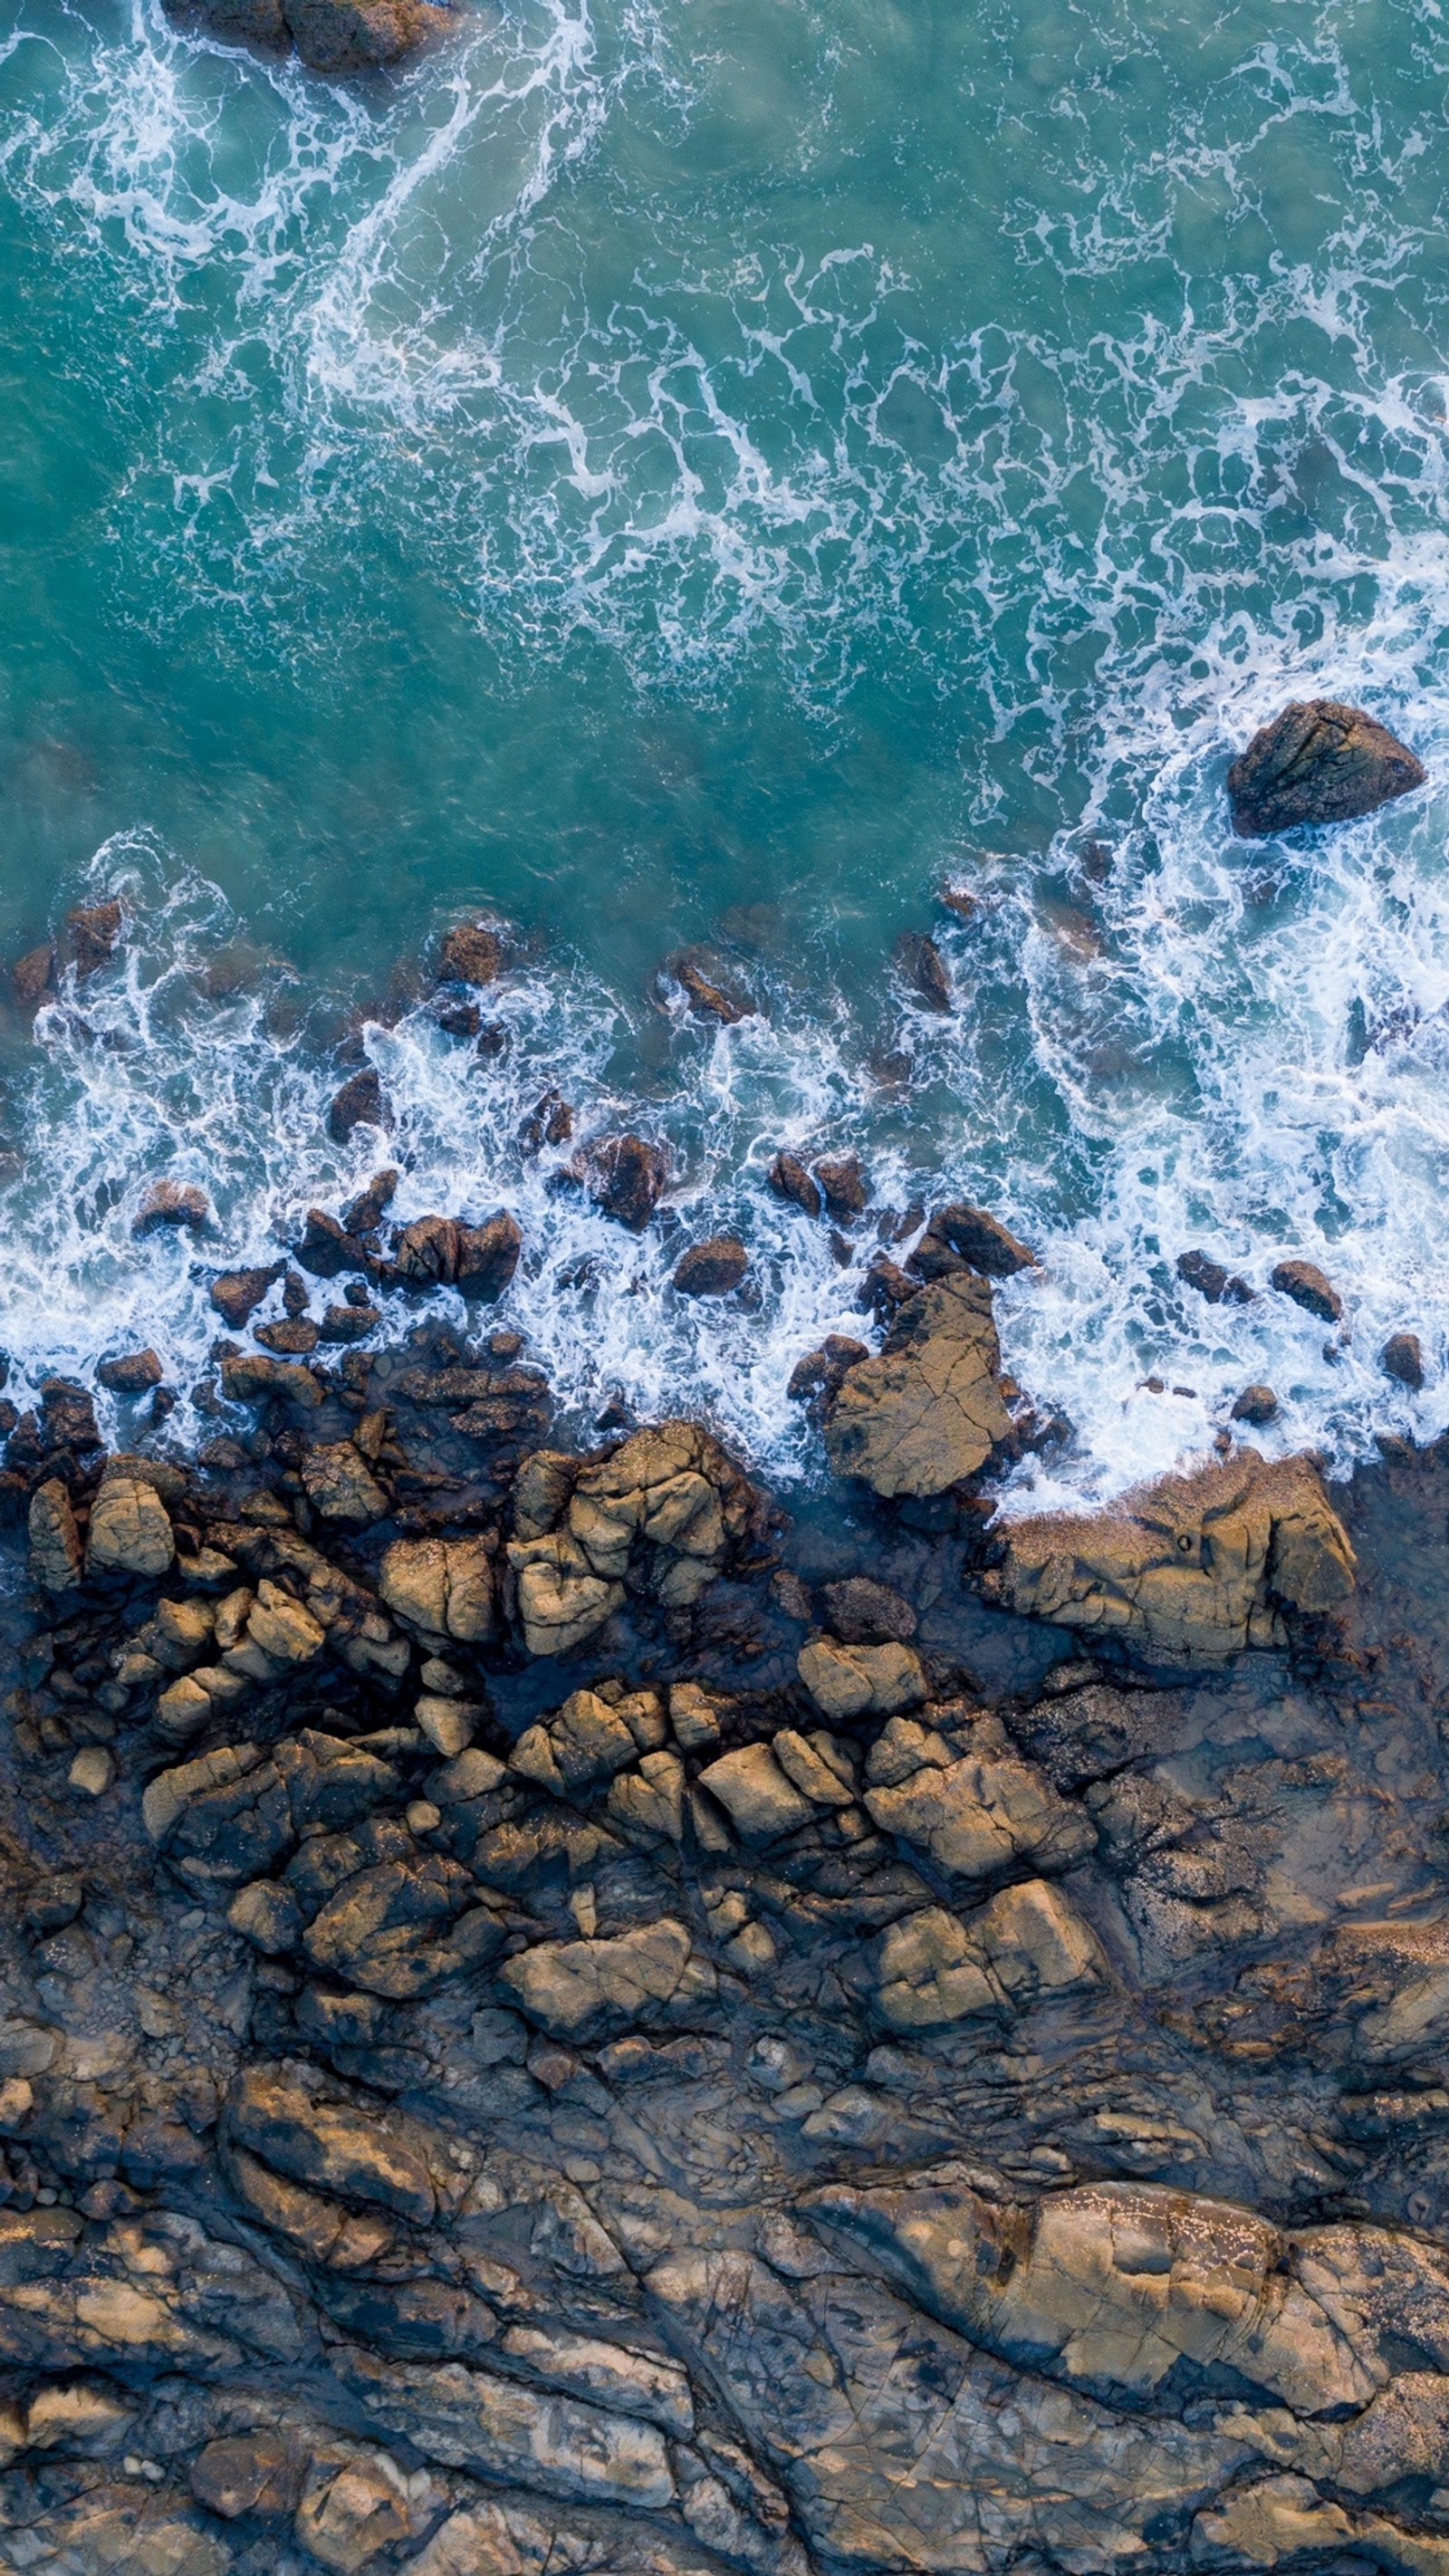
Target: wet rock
[
  {"x": 295, "y": 1338},
  {"x": 133, "y": 1373},
  {"x": 866, "y": 1613},
  {"x": 475, "y": 952},
  {"x": 1196, "y": 1566},
  {"x": 326, "y": 1248},
  {"x": 979, "y": 1240},
  {"x": 129, "y": 1532},
  {"x": 822, "y": 1372},
  {"x": 55, "y": 1546},
  {"x": 927, "y": 1412},
  {"x": 1256, "y": 1404},
  {"x": 1318, "y": 762},
  {"x": 922, "y": 967},
  {"x": 847, "y": 1191},
  {"x": 68, "y": 1416},
  {"x": 549, "y": 1122},
  {"x": 1402, "y": 1357},
  {"x": 886, "y": 1288},
  {"x": 626, "y": 1177},
  {"x": 349, "y": 1323},
  {"x": 238, "y": 1292},
  {"x": 711, "y": 1269},
  {"x": 789, "y": 1179},
  {"x": 365, "y": 1213},
  {"x": 707, "y": 999},
  {"x": 478, "y": 1259},
  {"x": 172, "y": 1203},
  {"x": 1307, "y": 1286},
  {"x": 251, "y": 1376},
  {"x": 339, "y": 1486},
  {"x": 1211, "y": 1280},
  {"x": 91, "y": 933},
  {"x": 359, "y": 1103},
  {"x": 33, "y": 976}
]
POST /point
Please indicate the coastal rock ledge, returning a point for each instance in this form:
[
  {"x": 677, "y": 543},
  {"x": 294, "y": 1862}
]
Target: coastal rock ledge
[{"x": 329, "y": 35}]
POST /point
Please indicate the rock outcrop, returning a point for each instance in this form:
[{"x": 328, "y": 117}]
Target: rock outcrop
[
  {"x": 927, "y": 1412},
  {"x": 329, "y": 35},
  {"x": 1197, "y": 1566},
  {"x": 1318, "y": 762}
]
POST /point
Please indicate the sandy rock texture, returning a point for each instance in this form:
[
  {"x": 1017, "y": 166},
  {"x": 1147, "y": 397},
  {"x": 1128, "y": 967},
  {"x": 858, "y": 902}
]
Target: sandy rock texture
[{"x": 551, "y": 2022}]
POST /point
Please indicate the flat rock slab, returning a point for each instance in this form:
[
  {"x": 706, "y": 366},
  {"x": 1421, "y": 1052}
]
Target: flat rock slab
[{"x": 926, "y": 1412}]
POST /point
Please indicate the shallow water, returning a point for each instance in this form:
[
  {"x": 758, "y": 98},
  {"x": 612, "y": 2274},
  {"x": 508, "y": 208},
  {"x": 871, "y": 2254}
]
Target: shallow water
[{"x": 704, "y": 474}]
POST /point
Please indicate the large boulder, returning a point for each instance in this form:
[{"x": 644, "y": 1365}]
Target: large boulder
[
  {"x": 441, "y": 1587},
  {"x": 1196, "y": 1566},
  {"x": 927, "y": 1412},
  {"x": 662, "y": 1513},
  {"x": 970, "y": 1802},
  {"x": 130, "y": 1532},
  {"x": 330, "y": 35},
  {"x": 626, "y": 1176},
  {"x": 1318, "y": 762}
]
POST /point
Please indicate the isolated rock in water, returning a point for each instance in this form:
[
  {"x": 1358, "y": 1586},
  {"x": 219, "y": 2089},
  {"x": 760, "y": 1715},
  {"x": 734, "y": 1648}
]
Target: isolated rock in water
[
  {"x": 1256, "y": 1404},
  {"x": 626, "y": 1177},
  {"x": 789, "y": 1179},
  {"x": 130, "y": 1532},
  {"x": 92, "y": 931},
  {"x": 55, "y": 1548},
  {"x": 927, "y": 1412},
  {"x": 326, "y": 1248},
  {"x": 1196, "y": 1566},
  {"x": 921, "y": 966},
  {"x": 364, "y": 1213},
  {"x": 1318, "y": 762},
  {"x": 330, "y": 35},
  {"x": 132, "y": 1374},
  {"x": 474, "y": 952},
  {"x": 172, "y": 1203},
  {"x": 359, "y": 1103},
  {"x": 1307, "y": 1286},
  {"x": 33, "y": 976},
  {"x": 1220, "y": 1287},
  {"x": 711, "y": 1269},
  {"x": 238, "y": 1292},
  {"x": 981, "y": 1241},
  {"x": 1402, "y": 1357},
  {"x": 707, "y": 999}
]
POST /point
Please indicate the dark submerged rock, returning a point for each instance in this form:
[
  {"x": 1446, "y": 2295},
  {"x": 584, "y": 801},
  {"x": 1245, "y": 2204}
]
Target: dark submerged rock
[
  {"x": 359, "y": 1103},
  {"x": 843, "y": 1180},
  {"x": 1219, "y": 1286},
  {"x": 1318, "y": 762},
  {"x": 923, "y": 968},
  {"x": 33, "y": 976},
  {"x": 172, "y": 1203},
  {"x": 91, "y": 933},
  {"x": 338, "y": 36}
]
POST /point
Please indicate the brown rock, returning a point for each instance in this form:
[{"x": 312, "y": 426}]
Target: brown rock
[
  {"x": 1196, "y": 1566},
  {"x": 130, "y": 1532},
  {"x": 844, "y": 1183},
  {"x": 68, "y": 1417},
  {"x": 920, "y": 964},
  {"x": 550, "y": 1122},
  {"x": 132, "y": 1374},
  {"x": 237, "y": 1292},
  {"x": 1307, "y": 1286},
  {"x": 1256, "y": 1404},
  {"x": 294, "y": 1339},
  {"x": 625, "y": 1176},
  {"x": 427, "y": 1251},
  {"x": 1318, "y": 762},
  {"x": 441, "y": 1587},
  {"x": 55, "y": 1548},
  {"x": 362, "y": 35},
  {"x": 474, "y": 952},
  {"x": 175, "y": 1203},
  {"x": 886, "y": 1288},
  {"x": 33, "y": 976},
  {"x": 789, "y": 1179},
  {"x": 366, "y": 1211},
  {"x": 1402, "y": 1357},
  {"x": 247, "y": 2473},
  {"x": 866, "y": 1613},
  {"x": 711, "y": 1269},
  {"x": 244, "y": 1379},
  {"x": 707, "y": 1000},
  {"x": 927, "y": 1412},
  {"x": 337, "y": 1484},
  {"x": 821, "y": 1372},
  {"x": 981, "y": 1241},
  {"x": 359, "y": 1103},
  {"x": 326, "y": 1248},
  {"x": 349, "y": 1323},
  {"x": 1220, "y": 1287},
  {"x": 92, "y": 931},
  {"x": 488, "y": 1256}
]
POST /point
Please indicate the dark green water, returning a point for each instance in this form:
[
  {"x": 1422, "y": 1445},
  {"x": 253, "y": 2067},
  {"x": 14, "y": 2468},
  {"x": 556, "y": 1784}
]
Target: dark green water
[{"x": 714, "y": 473}]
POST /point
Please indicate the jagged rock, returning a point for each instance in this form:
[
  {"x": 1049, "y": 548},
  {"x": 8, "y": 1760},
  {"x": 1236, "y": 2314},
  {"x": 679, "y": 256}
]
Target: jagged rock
[
  {"x": 626, "y": 1177},
  {"x": 664, "y": 1509},
  {"x": 927, "y": 1412},
  {"x": 1256, "y": 1404},
  {"x": 707, "y": 999},
  {"x": 589, "y": 1740},
  {"x": 934, "y": 1969},
  {"x": 295, "y": 1338},
  {"x": 549, "y": 1122},
  {"x": 977, "y": 1811},
  {"x": 861, "y": 1681},
  {"x": 1318, "y": 762},
  {"x": 923, "y": 968},
  {"x": 365, "y": 1213},
  {"x": 441, "y": 1587},
  {"x": 843, "y": 1180},
  {"x": 1219, "y": 1286},
  {"x": 256, "y": 2472},
  {"x": 760, "y": 1799},
  {"x": 33, "y": 976},
  {"x": 359, "y": 1103},
  {"x": 478, "y": 1259},
  {"x": 55, "y": 1546},
  {"x": 1307, "y": 1286},
  {"x": 474, "y": 952},
  {"x": 980, "y": 1240},
  {"x": 590, "y": 1989},
  {"x": 545, "y": 2444},
  {"x": 92, "y": 931},
  {"x": 1402, "y": 1357},
  {"x": 789, "y": 1179},
  {"x": 823, "y": 1372},
  {"x": 306, "y": 2130},
  {"x": 172, "y": 1203},
  {"x": 132, "y": 1374},
  {"x": 1198, "y": 1566},
  {"x": 129, "y": 1532},
  {"x": 237, "y": 1292},
  {"x": 243, "y": 1380},
  {"x": 339, "y": 1486},
  {"x": 711, "y": 1269},
  {"x": 326, "y": 1249}
]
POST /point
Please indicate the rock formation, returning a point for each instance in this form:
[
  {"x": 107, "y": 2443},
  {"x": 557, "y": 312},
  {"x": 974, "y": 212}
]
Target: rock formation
[
  {"x": 329, "y": 35},
  {"x": 1318, "y": 762},
  {"x": 925, "y": 1413}
]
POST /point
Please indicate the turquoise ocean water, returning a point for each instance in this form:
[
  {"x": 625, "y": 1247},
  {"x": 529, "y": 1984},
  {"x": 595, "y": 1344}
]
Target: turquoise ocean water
[{"x": 691, "y": 472}]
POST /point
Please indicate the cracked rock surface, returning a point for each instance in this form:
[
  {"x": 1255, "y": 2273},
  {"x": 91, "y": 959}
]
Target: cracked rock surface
[{"x": 590, "y": 2029}]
